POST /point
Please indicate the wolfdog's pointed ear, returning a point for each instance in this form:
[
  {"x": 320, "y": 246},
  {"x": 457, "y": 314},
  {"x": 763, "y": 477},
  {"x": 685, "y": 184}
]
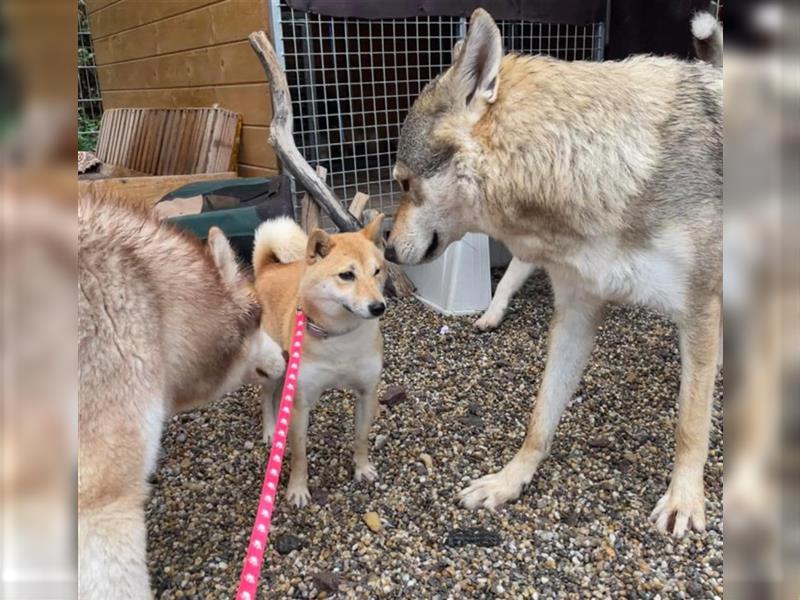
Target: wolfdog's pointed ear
[
  {"x": 223, "y": 256},
  {"x": 373, "y": 229},
  {"x": 319, "y": 245},
  {"x": 457, "y": 49},
  {"x": 477, "y": 66}
]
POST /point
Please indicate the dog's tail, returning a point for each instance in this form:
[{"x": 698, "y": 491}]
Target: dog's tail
[
  {"x": 278, "y": 241},
  {"x": 707, "y": 33}
]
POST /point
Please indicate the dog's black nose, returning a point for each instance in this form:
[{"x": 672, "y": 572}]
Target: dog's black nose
[
  {"x": 390, "y": 254},
  {"x": 376, "y": 309}
]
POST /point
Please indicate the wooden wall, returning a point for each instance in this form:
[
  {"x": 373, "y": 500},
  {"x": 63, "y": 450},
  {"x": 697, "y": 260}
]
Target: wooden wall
[{"x": 173, "y": 53}]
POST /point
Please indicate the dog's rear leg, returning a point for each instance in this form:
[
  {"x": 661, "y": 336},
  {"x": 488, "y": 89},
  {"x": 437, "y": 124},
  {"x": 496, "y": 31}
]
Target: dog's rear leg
[
  {"x": 112, "y": 542},
  {"x": 571, "y": 340},
  {"x": 515, "y": 276},
  {"x": 682, "y": 507},
  {"x": 366, "y": 409}
]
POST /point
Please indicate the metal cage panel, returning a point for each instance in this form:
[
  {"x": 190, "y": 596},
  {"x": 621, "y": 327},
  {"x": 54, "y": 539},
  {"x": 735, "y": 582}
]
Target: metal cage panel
[{"x": 353, "y": 80}]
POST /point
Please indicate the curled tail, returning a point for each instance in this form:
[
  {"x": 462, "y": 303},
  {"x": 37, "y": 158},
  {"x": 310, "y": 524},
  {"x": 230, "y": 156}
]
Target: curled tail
[
  {"x": 707, "y": 33},
  {"x": 278, "y": 241}
]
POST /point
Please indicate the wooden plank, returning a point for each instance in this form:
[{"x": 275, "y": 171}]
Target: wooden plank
[
  {"x": 255, "y": 171},
  {"x": 219, "y": 65},
  {"x": 310, "y": 216},
  {"x": 95, "y": 5},
  {"x": 143, "y": 192},
  {"x": 251, "y": 100},
  {"x": 255, "y": 148},
  {"x": 226, "y": 21},
  {"x": 358, "y": 204},
  {"x": 133, "y": 13}
]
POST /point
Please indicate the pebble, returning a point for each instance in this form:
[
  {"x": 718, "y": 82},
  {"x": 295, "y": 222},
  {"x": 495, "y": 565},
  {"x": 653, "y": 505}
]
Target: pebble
[
  {"x": 394, "y": 395},
  {"x": 326, "y": 581},
  {"x": 475, "y": 536},
  {"x": 286, "y": 543},
  {"x": 373, "y": 521},
  {"x": 248, "y": 445},
  {"x": 427, "y": 460}
]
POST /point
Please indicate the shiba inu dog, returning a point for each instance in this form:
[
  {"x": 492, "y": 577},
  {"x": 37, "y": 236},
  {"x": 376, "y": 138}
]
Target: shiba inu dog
[
  {"x": 165, "y": 324},
  {"x": 337, "y": 281},
  {"x": 609, "y": 176}
]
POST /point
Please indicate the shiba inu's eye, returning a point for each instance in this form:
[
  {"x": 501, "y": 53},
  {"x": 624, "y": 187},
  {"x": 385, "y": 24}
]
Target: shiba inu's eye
[
  {"x": 378, "y": 270},
  {"x": 347, "y": 276}
]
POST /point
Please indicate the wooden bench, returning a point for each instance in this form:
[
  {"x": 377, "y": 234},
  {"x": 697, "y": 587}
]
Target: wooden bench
[{"x": 163, "y": 148}]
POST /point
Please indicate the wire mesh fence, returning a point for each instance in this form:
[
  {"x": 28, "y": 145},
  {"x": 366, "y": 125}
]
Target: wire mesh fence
[
  {"x": 90, "y": 104},
  {"x": 353, "y": 80}
]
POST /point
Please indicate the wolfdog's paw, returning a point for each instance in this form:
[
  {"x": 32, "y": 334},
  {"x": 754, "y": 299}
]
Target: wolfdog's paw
[
  {"x": 488, "y": 321},
  {"x": 490, "y": 491},
  {"x": 366, "y": 472},
  {"x": 680, "y": 509},
  {"x": 298, "y": 495}
]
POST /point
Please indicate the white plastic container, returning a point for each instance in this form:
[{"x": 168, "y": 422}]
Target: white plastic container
[{"x": 458, "y": 282}]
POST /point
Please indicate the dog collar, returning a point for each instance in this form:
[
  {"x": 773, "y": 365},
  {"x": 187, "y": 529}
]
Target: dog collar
[{"x": 316, "y": 330}]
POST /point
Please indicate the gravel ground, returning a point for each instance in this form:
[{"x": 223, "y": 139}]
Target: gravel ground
[{"x": 579, "y": 530}]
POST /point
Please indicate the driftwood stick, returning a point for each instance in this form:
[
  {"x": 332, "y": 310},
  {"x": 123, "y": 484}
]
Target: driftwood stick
[
  {"x": 309, "y": 209},
  {"x": 282, "y": 141},
  {"x": 358, "y": 205}
]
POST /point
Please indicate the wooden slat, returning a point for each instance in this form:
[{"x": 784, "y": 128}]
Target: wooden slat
[
  {"x": 255, "y": 148},
  {"x": 218, "y": 65},
  {"x": 143, "y": 191},
  {"x": 223, "y": 22},
  {"x": 133, "y": 13},
  {"x": 251, "y": 100},
  {"x": 95, "y": 5},
  {"x": 255, "y": 171},
  {"x": 167, "y": 142}
]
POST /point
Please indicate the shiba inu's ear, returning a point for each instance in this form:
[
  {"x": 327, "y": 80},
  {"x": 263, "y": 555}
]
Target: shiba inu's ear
[
  {"x": 223, "y": 256},
  {"x": 319, "y": 245},
  {"x": 373, "y": 230},
  {"x": 477, "y": 65}
]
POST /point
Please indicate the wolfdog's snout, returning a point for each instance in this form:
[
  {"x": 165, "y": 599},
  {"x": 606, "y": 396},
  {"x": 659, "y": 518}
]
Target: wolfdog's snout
[{"x": 390, "y": 254}]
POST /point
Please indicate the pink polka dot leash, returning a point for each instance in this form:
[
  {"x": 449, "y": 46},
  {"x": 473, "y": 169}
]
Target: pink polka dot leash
[{"x": 248, "y": 581}]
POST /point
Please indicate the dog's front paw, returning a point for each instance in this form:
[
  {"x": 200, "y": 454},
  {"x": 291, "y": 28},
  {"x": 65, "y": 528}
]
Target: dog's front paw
[
  {"x": 488, "y": 321},
  {"x": 680, "y": 509},
  {"x": 366, "y": 472},
  {"x": 490, "y": 491},
  {"x": 298, "y": 495}
]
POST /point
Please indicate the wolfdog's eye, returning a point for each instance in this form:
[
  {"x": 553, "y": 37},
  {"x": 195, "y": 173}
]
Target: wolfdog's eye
[
  {"x": 404, "y": 184},
  {"x": 347, "y": 275}
]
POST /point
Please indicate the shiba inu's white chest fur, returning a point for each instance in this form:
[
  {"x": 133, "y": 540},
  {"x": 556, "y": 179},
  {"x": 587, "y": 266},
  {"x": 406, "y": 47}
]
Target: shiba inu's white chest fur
[{"x": 342, "y": 362}]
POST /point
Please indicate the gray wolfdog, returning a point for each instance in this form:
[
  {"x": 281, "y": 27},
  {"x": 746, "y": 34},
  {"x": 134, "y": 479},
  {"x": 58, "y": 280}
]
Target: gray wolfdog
[
  {"x": 609, "y": 176},
  {"x": 165, "y": 324}
]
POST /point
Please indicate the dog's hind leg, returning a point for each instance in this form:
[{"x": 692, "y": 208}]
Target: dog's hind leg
[
  {"x": 682, "y": 507},
  {"x": 366, "y": 409},
  {"x": 111, "y": 545},
  {"x": 572, "y": 331},
  {"x": 515, "y": 276}
]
